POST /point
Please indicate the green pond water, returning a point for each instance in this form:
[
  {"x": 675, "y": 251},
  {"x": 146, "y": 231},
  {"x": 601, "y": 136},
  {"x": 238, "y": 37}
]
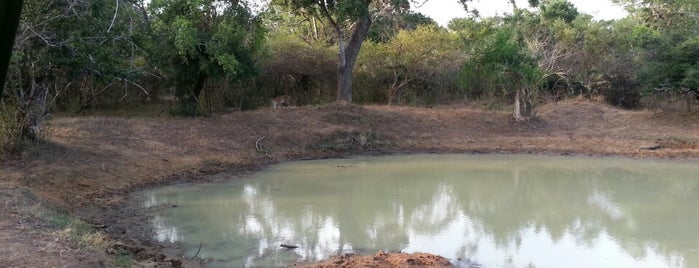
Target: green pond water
[{"x": 494, "y": 210}]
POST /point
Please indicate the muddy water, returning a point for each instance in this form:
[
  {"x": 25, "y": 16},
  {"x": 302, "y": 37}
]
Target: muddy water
[{"x": 499, "y": 211}]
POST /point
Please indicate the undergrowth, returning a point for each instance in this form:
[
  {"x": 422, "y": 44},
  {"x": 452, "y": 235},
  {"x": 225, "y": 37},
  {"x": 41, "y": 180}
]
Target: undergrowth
[
  {"x": 61, "y": 225},
  {"x": 341, "y": 141},
  {"x": 10, "y": 130}
]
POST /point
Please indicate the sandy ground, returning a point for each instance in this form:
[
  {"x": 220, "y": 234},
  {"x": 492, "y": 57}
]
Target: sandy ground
[{"x": 66, "y": 203}]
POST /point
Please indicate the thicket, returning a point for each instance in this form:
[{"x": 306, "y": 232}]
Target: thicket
[
  {"x": 415, "y": 67},
  {"x": 198, "y": 57}
]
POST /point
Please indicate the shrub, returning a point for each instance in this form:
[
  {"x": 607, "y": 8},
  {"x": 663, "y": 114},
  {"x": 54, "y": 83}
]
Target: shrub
[
  {"x": 10, "y": 129},
  {"x": 418, "y": 67},
  {"x": 621, "y": 91},
  {"x": 304, "y": 72}
]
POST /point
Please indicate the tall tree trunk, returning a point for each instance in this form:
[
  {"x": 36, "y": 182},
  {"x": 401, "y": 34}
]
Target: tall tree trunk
[
  {"x": 524, "y": 107},
  {"x": 33, "y": 108},
  {"x": 315, "y": 28},
  {"x": 348, "y": 56},
  {"x": 188, "y": 91},
  {"x": 10, "y": 12},
  {"x": 518, "y": 107},
  {"x": 193, "y": 98},
  {"x": 198, "y": 87}
]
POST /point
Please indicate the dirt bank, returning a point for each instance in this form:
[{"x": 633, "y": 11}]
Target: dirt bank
[{"x": 66, "y": 203}]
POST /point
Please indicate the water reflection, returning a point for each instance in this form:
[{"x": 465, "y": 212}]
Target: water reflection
[{"x": 502, "y": 211}]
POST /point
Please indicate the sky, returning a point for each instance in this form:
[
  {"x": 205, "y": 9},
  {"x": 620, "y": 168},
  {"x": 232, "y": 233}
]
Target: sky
[{"x": 443, "y": 11}]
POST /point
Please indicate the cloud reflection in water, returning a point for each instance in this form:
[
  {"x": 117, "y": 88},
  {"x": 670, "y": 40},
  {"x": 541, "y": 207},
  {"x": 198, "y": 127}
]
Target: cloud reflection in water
[{"x": 501, "y": 211}]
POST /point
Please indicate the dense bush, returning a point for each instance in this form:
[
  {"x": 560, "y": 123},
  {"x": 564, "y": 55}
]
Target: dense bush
[
  {"x": 69, "y": 53},
  {"x": 10, "y": 128},
  {"x": 417, "y": 67},
  {"x": 621, "y": 91},
  {"x": 302, "y": 72},
  {"x": 202, "y": 42}
]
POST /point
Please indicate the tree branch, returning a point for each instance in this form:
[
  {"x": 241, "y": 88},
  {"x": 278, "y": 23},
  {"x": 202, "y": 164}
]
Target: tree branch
[
  {"x": 324, "y": 11},
  {"x": 116, "y": 11}
]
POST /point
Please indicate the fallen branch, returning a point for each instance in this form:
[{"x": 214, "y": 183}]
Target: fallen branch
[
  {"x": 116, "y": 11},
  {"x": 652, "y": 147},
  {"x": 258, "y": 147},
  {"x": 286, "y": 246},
  {"x": 345, "y": 166},
  {"x": 197, "y": 254},
  {"x": 261, "y": 149}
]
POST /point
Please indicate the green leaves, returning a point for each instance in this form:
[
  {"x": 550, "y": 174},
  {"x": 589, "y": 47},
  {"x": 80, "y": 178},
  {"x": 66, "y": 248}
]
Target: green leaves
[
  {"x": 499, "y": 64},
  {"x": 351, "y": 9},
  {"x": 559, "y": 9},
  {"x": 691, "y": 78},
  {"x": 204, "y": 40},
  {"x": 229, "y": 63},
  {"x": 185, "y": 36},
  {"x": 669, "y": 41}
]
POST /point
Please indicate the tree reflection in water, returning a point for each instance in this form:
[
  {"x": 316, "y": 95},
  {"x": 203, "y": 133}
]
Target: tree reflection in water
[{"x": 501, "y": 211}]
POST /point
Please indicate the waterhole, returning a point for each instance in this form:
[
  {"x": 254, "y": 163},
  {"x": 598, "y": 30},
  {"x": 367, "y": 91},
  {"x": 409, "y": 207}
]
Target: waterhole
[{"x": 494, "y": 210}]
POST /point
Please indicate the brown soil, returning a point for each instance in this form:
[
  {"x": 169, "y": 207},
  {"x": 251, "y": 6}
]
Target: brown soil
[
  {"x": 89, "y": 165},
  {"x": 382, "y": 259}
]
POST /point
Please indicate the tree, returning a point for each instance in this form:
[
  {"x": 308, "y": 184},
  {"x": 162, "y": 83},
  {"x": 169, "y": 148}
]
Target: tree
[
  {"x": 523, "y": 70},
  {"x": 63, "y": 46},
  {"x": 386, "y": 27},
  {"x": 559, "y": 9},
  {"x": 350, "y": 16},
  {"x": 295, "y": 70},
  {"x": 201, "y": 40},
  {"x": 667, "y": 33},
  {"x": 351, "y": 20},
  {"x": 419, "y": 61},
  {"x": 10, "y": 12},
  {"x": 503, "y": 59}
]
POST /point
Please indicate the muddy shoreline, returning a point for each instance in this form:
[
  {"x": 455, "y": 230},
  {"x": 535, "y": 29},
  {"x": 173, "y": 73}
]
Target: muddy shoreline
[{"x": 91, "y": 167}]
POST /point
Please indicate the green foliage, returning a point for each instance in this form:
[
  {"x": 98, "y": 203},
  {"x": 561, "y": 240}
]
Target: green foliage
[
  {"x": 623, "y": 92},
  {"x": 575, "y": 53},
  {"x": 384, "y": 28},
  {"x": 691, "y": 78},
  {"x": 669, "y": 42},
  {"x": 75, "y": 55},
  {"x": 59, "y": 45},
  {"x": 10, "y": 129},
  {"x": 498, "y": 66},
  {"x": 345, "y": 10},
  {"x": 204, "y": 40},
  {"x": 125, "y": 259},
  {"x": 415, "y": 67},
  {"x": 305, "y": 73},
  {"x": 472, "y": 32},
  {"x": 688, "y": 63},
  {"x": 351, "y": 21},
  {"x": 559, "y": 9}
]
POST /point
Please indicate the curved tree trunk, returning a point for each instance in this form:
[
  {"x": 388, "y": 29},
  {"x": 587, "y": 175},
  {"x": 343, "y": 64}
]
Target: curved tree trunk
[
  {"x": 188, "y": 92},
  {"x": 518, "y": 109},
  {"x": 31, "y": 99},
  {"x": 524, "y": 108},
  {"x": 35, "y": 108},
  {"x": 348, "y": 56}
]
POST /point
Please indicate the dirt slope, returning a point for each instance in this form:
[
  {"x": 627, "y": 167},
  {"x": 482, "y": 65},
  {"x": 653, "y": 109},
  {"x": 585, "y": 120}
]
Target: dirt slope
[{"x": 90, "y": 163}]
